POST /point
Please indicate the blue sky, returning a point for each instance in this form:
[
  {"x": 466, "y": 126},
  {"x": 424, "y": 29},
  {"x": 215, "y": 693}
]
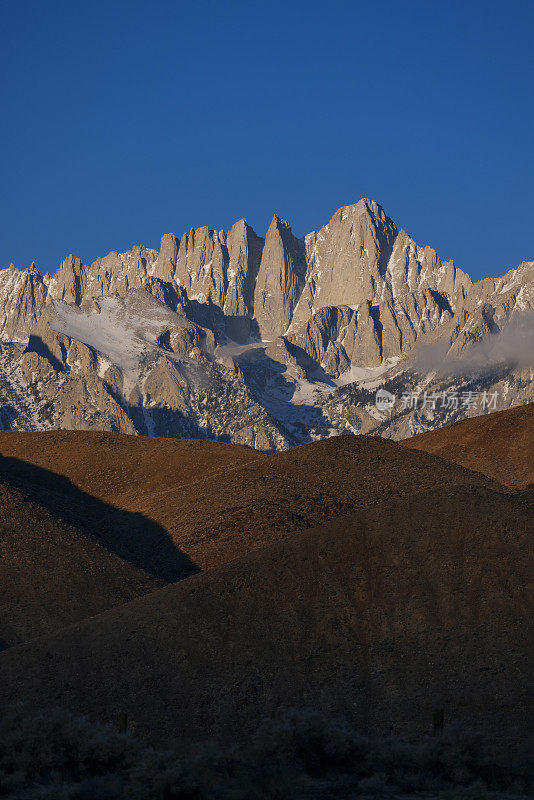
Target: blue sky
[{"x": 124, "y": 120}]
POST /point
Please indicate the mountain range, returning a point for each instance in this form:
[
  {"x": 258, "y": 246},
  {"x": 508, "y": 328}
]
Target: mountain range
[{"x": 268, "y": 342}]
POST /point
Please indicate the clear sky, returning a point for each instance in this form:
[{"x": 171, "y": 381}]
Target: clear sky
[{"x": 121, "y": 121}]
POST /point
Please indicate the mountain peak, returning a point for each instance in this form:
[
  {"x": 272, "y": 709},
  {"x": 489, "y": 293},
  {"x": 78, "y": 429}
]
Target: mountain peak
[
  {"x": 356, "y": 294},
  {"x": 364, "y": 207},
  {"x": 278, "y": 222}
]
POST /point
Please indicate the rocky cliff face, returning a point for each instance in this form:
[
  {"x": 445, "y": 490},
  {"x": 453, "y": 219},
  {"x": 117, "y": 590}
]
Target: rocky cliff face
[
  {"x": 245, "y": 250},
  {"x": 22, "y": 300},
  {"x": 217, "y": 268},
  {"x": 280, "y": 279},
  {"x": 116, "y": 273},
  {"x": 347, "y": 260},
  {"x": 233, "y": 336},
  {"x": 385, "y": 289}
]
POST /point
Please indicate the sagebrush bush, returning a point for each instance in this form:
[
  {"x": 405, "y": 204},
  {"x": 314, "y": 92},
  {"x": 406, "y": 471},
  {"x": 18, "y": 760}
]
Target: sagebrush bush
[{"x": 295, "y": 754}]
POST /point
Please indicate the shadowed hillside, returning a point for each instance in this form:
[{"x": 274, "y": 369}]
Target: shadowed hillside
[
  {"x": 53, "y": 573},
  {"x": 387, "y": 614}
]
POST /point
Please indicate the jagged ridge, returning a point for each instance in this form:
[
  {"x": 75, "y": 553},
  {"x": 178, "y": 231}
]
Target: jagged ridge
[{"x": 358, "y": 293}]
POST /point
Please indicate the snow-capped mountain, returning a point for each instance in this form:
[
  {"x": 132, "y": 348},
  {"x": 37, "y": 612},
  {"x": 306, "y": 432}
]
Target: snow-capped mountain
[{"x": 266, "y": 342}]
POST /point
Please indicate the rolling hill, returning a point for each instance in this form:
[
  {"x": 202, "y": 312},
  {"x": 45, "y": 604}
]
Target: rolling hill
[
  {"x": 52, "y": 574},
  {"x": 214, "y": 501},
  {"x": 199, "y": 586},
  {"x": 420, "y": 603},
  {"x": 499, "y": 445}
]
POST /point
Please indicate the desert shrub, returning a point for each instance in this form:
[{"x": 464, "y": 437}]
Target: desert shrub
[
  {"x": 299, "y": 754},
  {"x": 473, "y": 791},
  {"x": 56, "y": 748}
]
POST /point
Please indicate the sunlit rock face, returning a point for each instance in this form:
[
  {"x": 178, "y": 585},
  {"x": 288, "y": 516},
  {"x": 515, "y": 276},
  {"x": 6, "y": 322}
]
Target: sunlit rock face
[
  {"x": 267, "y": 342},
  {"x": 22, "y": 300}
]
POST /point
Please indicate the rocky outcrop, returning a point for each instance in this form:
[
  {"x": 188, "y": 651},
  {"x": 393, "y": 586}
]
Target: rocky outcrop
[
  {"x": 70, "y": 281},
  {"x": 244, "y": 256},
  {"x": 489, "y": 306},
  {"x": 62, "y": 375},
  {"x": 280, "y": 279},
  {"x": 398, "y": 291},
  {"x": 299, "y": 363},
  {"x": 165, "y": 265},
  {"x": 347, "y": 259},
  {"x": 188, "y": 339},
  {"x": 172, "y": 296},
  {"x": 22, "y": 300},
  {"x": 116, "y": 273},
  {"x": 216, "y": 268},
  {"x": 165, "y": 387},
  {"x": 221, "y": 406},
  {"x": 201, "y": 265}
]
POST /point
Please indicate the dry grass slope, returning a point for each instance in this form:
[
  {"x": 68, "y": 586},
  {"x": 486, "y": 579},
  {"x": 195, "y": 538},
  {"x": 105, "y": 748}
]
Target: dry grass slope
[
  {"x": 215, "y": 501},
  {"x": 92, "y": 520},
  {"x": 499, "y": 445}
]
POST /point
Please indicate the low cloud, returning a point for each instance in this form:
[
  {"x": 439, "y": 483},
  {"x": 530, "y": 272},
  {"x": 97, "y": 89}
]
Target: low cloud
[{"x": 512, "y": 346}]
